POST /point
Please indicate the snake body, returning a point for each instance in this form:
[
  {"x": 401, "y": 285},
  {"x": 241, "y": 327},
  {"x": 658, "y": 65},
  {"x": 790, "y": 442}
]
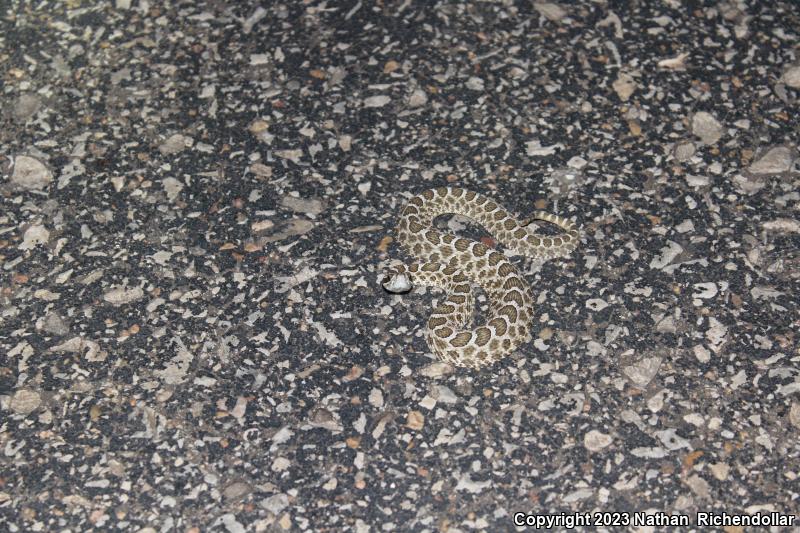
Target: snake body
[{"x": 455, "y": 263}]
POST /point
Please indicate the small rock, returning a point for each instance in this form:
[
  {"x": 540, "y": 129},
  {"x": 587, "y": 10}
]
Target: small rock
[
  {"x": 705, "y": 290},
  {"x": 25, "y": 401},
  {"x": 674, "y": 63},
  {"x": 656, "y": 402},
  {"x": 624, "y": 86},
  {"x": 535, "y": 148},
  {"x": 292, "y": 228},
  {"x": 417, "y": 99},
  {"x": 775, "y": 160},
  {"x": 792, "y": 77},
  {"x": 261, "y": 170},
  {"x": 716, "y": 334},
  {"x": 53, "y": 323},
  {"x": 596, "y": 304},
  {"x": 275, "y": 503},
  {"x": 550, "y": 11},
  {"x": 671, "y": 440},
  {"x": 684, "y": 151},
  {"x": 321, "y": 417},
  {"x": 376, "y": 398},
  {"x": 231, "y": 524},
  {"x": 280, "y": 464},
  {"x": 668, "y": 253},
  {"x": 720, "y": 470},
  {"x": 445, "y": 395},
  {"x": 120, "y": 295},
  {"x": 697, "y": 181},
  {"x": 34, "y": 236},
  {"x": 694, "y": 419},
  {"x": 236, "y": 491},
  {"x": 699, "y": 486},
  {"x": 30, "y": 173},
  {"x": 667, "y": 325},
  {"x": 261, "y": 225},
  {"x": 577, "y": 163},
  {"x": 794, "y": 414},
  {"x": 643, "y": 371},
  {"x": 595, "y": 440},
  {"x": 77, "y": 345},
  {"x": 782, "y": 225},
  {"x": 308, "y": 206},
  {"x": 161, "y": 257},
  {"x": 377, "y": 101},
  {"x": 748, "y": 184},
  {"x": 653, "y": 452},
  {"x": 705, "y": 126},
  {"x": 465, "y": 483},
  {"x": 175, "y": 143},
  {"x": 25, "y": 107},
  {"x": 415, "y": 420},
  {"x": 172, "y": 187},
  {"x": 474, "y": 83},
  {"x": 428, "y": 403},
  {"x": 702, "y": 353},
  {"x": 436, "y": 370},
  {"x": 293, "y": 155}
]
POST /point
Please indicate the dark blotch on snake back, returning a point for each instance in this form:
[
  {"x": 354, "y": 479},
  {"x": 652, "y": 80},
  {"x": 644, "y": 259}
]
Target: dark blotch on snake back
[
  {"x": 432, "y": 236},
  {"x": 510, "y": 311},
  {"x": 457, "y": 298},
  {"x": 462, "y": 339},
  {"x": 446, "y": 309},
  {"x": 436, "y": 321},
  {"x": 451, "y": 270},
  {"x": 415, "y": 227},
  {"x": 513, "y": 283},
  {"x": 482, "y": 335},
  {"x": 505, "y": 269},
  {"x": 514, "y": 296},
  {"x": 499, "y": 325},
  {"x": 495, "y": 257},
  {"x": 444, "y": 331}
]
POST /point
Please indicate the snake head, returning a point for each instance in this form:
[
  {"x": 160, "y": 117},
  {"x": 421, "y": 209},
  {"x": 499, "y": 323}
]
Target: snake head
[{"x": 397, "y": 283}]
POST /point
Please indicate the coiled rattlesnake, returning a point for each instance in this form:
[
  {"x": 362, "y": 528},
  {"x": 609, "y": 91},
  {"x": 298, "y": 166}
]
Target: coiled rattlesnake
[{"x": 453, "y": 263}]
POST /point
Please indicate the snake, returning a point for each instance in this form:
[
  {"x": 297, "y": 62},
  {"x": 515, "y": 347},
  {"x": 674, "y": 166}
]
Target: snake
[{"x": 457, "y": 264}]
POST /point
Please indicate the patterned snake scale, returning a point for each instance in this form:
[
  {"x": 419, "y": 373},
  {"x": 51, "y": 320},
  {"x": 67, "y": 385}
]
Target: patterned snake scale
[{"x": 455, "y": 263}]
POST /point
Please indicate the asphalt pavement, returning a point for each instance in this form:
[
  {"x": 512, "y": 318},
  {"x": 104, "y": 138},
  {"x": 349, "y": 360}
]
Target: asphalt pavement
[{"x": 197, "y": 202}]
